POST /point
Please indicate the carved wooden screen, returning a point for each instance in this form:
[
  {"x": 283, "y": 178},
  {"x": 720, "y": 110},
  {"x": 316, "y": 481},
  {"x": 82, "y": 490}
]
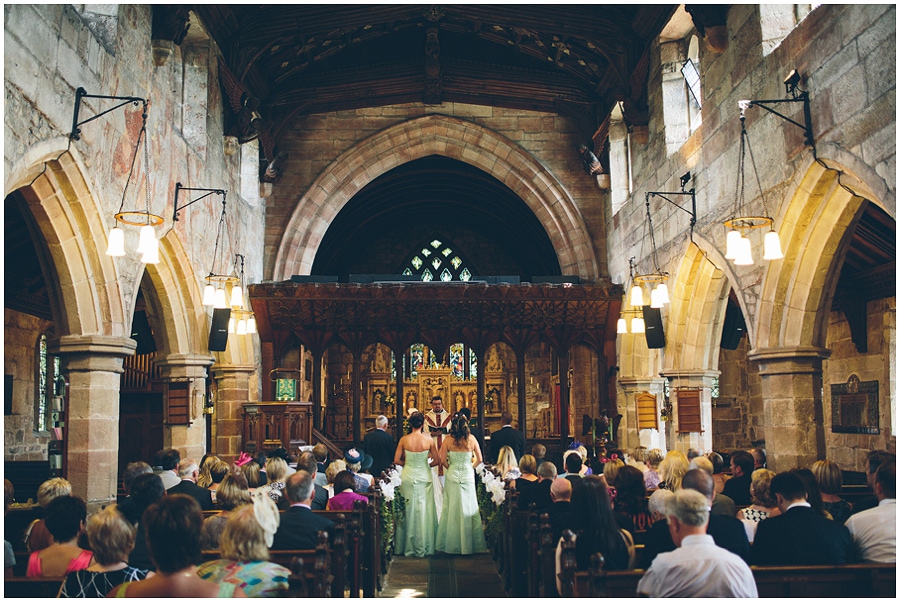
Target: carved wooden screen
[
  {"x": 688, "y": 401},
  {"x": 647, "y": 416}
]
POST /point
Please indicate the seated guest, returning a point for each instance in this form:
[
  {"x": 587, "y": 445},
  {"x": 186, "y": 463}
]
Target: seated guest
[
  {"x": 507, "y": 466},
  {"x": 320, "y": 453},
  {"x": 528, "y": 469},
  {"x": 600, "y": 532},
  {"x": 651, "y": 477},
  {"x": 165, "y": 464},
  {"x": 813, "y": 495},
  {"x": 299, "y": 528},
  {"x": 218, "y": 470},
  {"x": 276, "y": 473},
  {"x": 631, "y": 499},
  {"x": 610, "y": 473},
  {"x": 672, "y": 469},
  {"x": 539, "y": 452},
  {"x": 764, "y": 503},
  {"x": 111, "y": 538},
  {"x": 146, "y": 489},
  {"x": 726, "y": 531},
  {"x": 131, "y": 472},
  {"x": 759, "y": 458},
  {"x": 539, "y": 494},
  {"x": 874, "y": 531},
  {"x": 204, "y": 479},
  {"x": 638, "y": 459},
  {"x": 232, "y": 493},
  {"x": 345, "y": 496},
  {"x": 189, "y": 471},
  {"x": 358, "y": 461},
  {"x": 698, "y": 567},
  {"x": 719, "y": 475},
  {"x": 252, "y": 474},
  {"x": 173, "y": 536},
  {"x": 307, "y": 462},
  {"x": 332, "y": 471},
  {"x": 245, "y": 552},
  {"x": 656, "y": 505},
  {"x": 738, "y": 486},
  {"x": 874, "y": 459},
  {"x": 800, "y": 536},
  {"x": 37, "y": 537},
  {"x": 722, "y": 504},
  {"x": 560, "y": 511},
  {"x": 65, "y": 521},
  {"x": 830, "y": 478}
]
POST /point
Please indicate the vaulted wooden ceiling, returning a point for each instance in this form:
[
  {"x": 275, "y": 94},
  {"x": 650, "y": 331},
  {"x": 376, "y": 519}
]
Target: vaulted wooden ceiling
[{"x": 281, "y": 61}]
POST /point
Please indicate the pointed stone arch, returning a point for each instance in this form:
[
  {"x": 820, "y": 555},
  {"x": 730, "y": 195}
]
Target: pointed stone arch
[
  {"x": 797, "y": 290},
  {"x": 449, "y": 137}
]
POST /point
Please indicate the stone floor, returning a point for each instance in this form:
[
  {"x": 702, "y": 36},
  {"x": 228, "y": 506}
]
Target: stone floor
[{"x": 443, "y": 576}]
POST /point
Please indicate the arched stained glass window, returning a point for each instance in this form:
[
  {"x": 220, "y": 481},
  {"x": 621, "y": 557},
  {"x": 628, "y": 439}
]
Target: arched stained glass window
[{"x": 437, "y": 259}]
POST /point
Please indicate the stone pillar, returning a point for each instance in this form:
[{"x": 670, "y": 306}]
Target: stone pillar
[
  {"x": 620, "y": 178},
  {"x": 791, "y": 383},
  {"x": 702, "y": 379},
  {"x": 233, "y": 389},
  {"x": 631, "y": 436},
  {"x": 190, "y": 439},
  {"x": 93, "y": 365}
]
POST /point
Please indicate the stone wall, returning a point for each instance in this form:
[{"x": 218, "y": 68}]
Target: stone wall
[
  {"x": 21, "y": 334},
  {"x": 314, "y": 141},
  {"x": 737, "y": 414},
  {"x": 878, "y": 364}
]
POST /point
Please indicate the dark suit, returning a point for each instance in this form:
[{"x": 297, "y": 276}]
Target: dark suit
[
  {"x": 381, "y": 447},
  {"x": 507, "y": 436},
  {"x": 563, "y": 517},
  {"x": 321, "y": 500},
  {"x": 801, "y": 536},
  {"x": 538, "y": 494},
  {"x": 203, "y": 496},
  {"x": 727, "y": 531},
  {"x": 299, "y": 529},
  {"x": 738, "y": 489}
]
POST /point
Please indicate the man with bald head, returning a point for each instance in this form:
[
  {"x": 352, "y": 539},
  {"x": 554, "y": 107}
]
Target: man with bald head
[
  {"x": 727, "y": 531},
  {"x": 560, "y": 511}
]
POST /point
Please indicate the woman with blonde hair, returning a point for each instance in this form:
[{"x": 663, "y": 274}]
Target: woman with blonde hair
[
  {"x": 217, "y": 471},
  {"x": 507, "y": 466},
  {"x": 232, "y": 493},
  {"x": 651, "y": 476},
  {"x": 337, "y": 466},
  {"x": 204, "y": 479},
  {"x": 830, "y": 478},
  {"x": 245, "y": 543},
  {"x": 672, "y": 469},
  {"x": 37, "y": 537},
  {"x": 276, "y": 473},
  {"x": 528, "y": 468},
  {"x": 112, "y": 538},
  {"x": 764, "y": 503}
]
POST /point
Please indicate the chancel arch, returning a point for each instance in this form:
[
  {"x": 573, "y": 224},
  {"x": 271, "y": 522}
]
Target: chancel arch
[{"x": 450, "y": 137}]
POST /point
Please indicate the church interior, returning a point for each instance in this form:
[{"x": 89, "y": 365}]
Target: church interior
[{"x": 527, "y": 209}]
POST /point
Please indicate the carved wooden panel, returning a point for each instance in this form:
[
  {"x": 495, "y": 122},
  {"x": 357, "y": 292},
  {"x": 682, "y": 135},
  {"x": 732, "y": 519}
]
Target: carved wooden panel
[
  {"x": 647, "y": 416},
  {"x": 688, "y": 401},
  {"x": 178, "y": 403}
]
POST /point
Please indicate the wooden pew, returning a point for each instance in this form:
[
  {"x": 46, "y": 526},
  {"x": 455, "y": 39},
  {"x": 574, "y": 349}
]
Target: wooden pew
[
  {"x": 31, "y": 587},
  {"x": 515, "y": 549}
]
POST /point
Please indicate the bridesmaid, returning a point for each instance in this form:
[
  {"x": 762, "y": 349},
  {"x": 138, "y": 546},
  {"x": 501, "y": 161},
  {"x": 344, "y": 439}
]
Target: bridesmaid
[
  {"x": 459, "y": 529},
  {"x": 416, "y": 452}
]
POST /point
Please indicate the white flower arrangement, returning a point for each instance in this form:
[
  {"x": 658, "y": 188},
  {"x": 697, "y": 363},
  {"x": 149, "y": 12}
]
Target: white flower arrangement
[
  {"x": 492, "y": 484},
  {"x": 387, "y": 489}
]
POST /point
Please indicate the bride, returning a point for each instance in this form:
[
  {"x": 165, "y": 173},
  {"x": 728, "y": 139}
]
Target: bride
[{"x": 459, "y": 529}]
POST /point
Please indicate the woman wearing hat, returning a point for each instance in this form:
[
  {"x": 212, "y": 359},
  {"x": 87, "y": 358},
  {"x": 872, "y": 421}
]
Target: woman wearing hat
[{"x": 358, "y": 460}]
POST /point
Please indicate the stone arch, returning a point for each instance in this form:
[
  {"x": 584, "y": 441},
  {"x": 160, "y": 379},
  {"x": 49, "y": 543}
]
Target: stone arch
[
  {"x": 450, "y": 137},
  {"x": 699, "y": 293},
  {"x": 88, "y": 298},
  {"x": 796, "y": 291}
]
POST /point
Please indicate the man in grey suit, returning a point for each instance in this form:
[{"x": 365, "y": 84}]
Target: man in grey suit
[
  {"x": 507, "y": 435},
  {"x": 307, "y": 462},
  {"x": 300, "y": 526}
]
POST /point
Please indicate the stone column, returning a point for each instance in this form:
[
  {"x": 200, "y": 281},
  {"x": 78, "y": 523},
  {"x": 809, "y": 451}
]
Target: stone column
[
  {"x": 791, "y": 383},
  {"x": 702, "y": 379},
  {"x": 93, "y": 365},
  {"x": 232, "y": 389},
  {"x": 631, "y": 436},
  {"x": 190, "y": 439}
]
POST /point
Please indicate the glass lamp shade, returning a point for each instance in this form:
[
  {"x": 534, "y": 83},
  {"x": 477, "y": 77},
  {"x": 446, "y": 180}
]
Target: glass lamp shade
[
  {"x": 230, "y": 325},
  {"x": 732, "y": 242},
  {"x": 772, "y": 246},
  {"x": 744, "y": 253},
  {"x": 242, "y": 326},
  {"x": 220, "y": 301},
  {"x": 148, "y": 237},
  {"x": 637, "y": 296},
  {"x": 655, "y": 299},
  {"x": 151, "y": 251},
  {"x": 663, "y": 292},
  {"x": 621, "y": 327},
  {"x": 251, "y": 325},
  {"x": 237, "y": 296},
  {"x": 116, "y": 245},
  {"x": 637, "y": 325},
  {"x": 209, "y": 295}
]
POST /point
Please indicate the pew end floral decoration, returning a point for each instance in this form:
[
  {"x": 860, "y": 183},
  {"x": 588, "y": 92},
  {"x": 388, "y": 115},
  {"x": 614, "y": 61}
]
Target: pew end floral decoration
[
  {"x": 491, "y": 495},
  {"x": 393, "y": 507}
]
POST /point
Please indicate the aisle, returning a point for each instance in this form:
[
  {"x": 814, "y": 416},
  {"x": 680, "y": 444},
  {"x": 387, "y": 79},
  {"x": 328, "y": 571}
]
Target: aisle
[{"x": 443, "y": 576}]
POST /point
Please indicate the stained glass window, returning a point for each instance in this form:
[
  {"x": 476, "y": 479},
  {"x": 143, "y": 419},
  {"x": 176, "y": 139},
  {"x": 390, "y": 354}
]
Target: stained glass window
[
  {"x": 430, "y": 262},
  {"x": 50, "y": 382}
]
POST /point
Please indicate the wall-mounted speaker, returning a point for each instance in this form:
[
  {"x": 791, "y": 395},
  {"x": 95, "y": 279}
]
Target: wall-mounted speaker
[
  {"x": 218, "y": 333},
  {"x": 653, "y": 327}
]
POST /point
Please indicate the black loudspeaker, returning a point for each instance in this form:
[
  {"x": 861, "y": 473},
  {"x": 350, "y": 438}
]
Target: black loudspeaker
[
  {"x": 218, "y": 334},
  {"x": 141, "y": 332},
  {"x": 734, "y": 327},
  {"x": 653, "y": 328}
]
